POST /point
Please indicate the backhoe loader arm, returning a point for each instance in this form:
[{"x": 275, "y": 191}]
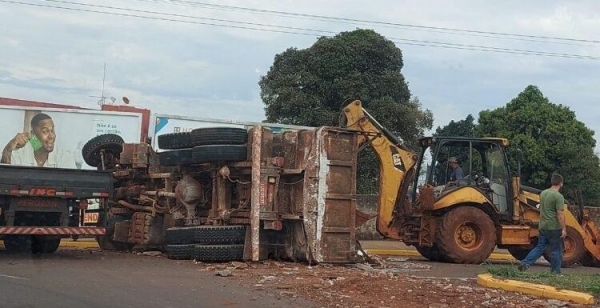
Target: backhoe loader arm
[{"x": 396, "y": 166}]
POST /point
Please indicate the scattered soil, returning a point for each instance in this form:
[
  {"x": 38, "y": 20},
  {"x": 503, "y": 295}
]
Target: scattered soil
[{"x": 389, "y": 284}]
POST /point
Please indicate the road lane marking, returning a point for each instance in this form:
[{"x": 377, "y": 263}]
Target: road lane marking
[{"x": 12, "y": 277}]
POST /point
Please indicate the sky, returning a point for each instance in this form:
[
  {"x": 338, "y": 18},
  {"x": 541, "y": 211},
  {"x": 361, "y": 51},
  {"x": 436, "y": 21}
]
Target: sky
[{"x": 190, "y": 58}]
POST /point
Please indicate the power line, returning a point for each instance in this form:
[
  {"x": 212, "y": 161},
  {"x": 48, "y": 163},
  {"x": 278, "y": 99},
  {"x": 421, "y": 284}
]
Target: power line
[
  {"x": 189, "y": 16},
  {"x": 153, "y": 18},
  {"x": 290, "y": 30},
  {"x": 363, "y": 21}
]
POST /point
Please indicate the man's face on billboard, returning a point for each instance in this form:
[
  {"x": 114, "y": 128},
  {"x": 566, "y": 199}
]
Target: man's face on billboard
[{"x": 45, "y": 133}]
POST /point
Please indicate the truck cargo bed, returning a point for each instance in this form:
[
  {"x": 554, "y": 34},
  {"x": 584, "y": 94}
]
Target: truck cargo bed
[{"x": 54, "y": 182}]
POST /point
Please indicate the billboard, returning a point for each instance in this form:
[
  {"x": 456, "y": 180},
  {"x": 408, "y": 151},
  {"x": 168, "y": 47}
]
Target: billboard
[
  {"x": 53, "y": 137},
  {"x": 166, "y": 124}
]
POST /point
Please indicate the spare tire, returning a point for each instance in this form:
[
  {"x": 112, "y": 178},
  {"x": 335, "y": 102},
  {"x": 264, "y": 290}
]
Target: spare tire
[
  {"x": 180, "y": 252},
  {"x": 176, "y": 157},
  {"x": 175, "y": 141},
  {"x": 219, "y": 135},
  {"x": 214, "y": 153},
  {"x": 110, "y": 143},
  {"x": 218, "y": 253},
  {"x": 216, "y": 235}
]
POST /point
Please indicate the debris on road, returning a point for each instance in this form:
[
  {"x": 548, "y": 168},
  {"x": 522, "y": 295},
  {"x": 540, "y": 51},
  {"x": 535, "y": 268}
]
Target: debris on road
[
  {"x": 152, "y": 253},
  {"x": 224, "y": 273},
  {"x": 363, "y": 285}
]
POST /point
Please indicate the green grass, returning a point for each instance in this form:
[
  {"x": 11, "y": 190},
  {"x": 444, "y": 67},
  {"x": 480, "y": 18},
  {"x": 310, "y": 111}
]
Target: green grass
[{"x": 588, "y": 283}]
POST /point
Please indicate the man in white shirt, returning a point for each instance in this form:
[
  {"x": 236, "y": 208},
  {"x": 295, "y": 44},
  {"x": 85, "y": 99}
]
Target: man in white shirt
[{"x": 37, "y": 148}]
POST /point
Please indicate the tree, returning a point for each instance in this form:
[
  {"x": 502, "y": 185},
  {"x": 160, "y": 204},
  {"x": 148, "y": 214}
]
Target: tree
[
  {"x": 309, "y": 87},
  {"x": 462, "y": 128},
  {"x": 552, "y": 140}
]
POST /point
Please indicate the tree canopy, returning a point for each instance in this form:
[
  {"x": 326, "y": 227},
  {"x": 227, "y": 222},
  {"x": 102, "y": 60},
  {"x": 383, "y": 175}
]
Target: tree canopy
[
  {"x": 552, "y": 140},
  {"x": 309, "y": 86}
]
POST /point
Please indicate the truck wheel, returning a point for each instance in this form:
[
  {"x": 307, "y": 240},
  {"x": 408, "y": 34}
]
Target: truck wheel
[
  {"x": 218, "y": 253},
  {"x": 466, "y": 235},
  {"x": 18, "y": 243},
  {"x": 110, "y": 143},
  {"x": 432, "y": 253},
  {"x": 174, "y": 141},
  {"x": 176, "y": 157},
  {"x": 574, "y": 248},
  {"x": 219, "y": 135},
  {"x": 105, "y": 242},
  {"x": 180, "y": 252},
  {"x": 214, "y": 153},
  {"x": 44, "y": 244},
  {"x": 518, "y": 253},
  {"x": 206, "y": 235}
]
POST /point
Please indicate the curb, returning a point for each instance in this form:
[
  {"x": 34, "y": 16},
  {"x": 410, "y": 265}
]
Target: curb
[
  {"x": 538, "y": 290},
  {"x": 79, "y": 244},
  {"x": 413, "y": 253},
  {"x": 72, "y": 245}
]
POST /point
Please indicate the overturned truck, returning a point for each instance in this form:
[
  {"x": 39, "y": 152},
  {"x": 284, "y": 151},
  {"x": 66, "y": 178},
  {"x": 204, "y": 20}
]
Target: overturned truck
[{"x": 223, "y": 194}]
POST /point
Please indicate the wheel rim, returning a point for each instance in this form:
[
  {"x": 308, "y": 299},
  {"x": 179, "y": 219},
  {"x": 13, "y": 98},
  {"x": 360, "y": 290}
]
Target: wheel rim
[{"x": 468, "y": 236}]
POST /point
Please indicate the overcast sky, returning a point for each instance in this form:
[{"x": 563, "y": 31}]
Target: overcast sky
[{"x": 55, "y": 55}]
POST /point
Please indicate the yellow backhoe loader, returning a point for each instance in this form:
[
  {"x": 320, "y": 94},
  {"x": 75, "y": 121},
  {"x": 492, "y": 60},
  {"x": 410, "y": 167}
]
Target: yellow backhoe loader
[{"x": 465, "y": 220}]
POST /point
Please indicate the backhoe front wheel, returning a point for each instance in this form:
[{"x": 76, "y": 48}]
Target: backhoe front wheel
[
  {"x": 466, "y": 235},
  {"x": 574, "y": 249}
]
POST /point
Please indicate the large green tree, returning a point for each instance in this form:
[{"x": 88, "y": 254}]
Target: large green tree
[
  {"x": 309, "y": 86},
  {"x": 552, "y": 140}
]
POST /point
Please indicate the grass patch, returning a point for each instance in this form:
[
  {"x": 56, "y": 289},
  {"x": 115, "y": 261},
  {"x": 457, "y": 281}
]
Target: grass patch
[{"x": 588, "y": 283}]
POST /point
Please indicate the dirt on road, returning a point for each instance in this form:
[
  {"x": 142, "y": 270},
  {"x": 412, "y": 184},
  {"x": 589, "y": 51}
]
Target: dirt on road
[{"x": 391, "y": 284}]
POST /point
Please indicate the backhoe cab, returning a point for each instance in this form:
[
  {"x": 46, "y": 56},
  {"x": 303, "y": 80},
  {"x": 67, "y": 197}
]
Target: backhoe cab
[{"x": 462, "y": 220}]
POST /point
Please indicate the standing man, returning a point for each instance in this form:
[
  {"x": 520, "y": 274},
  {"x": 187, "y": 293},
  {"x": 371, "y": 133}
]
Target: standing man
[
  {"x": 552, "y": 227},
  {"x": 37, "y": 148},
  {"x": 457, "y": 172}
]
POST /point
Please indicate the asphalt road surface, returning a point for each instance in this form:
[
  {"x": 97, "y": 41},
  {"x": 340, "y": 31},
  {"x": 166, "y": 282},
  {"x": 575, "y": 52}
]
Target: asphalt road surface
[{"x": 82, "y": 279}]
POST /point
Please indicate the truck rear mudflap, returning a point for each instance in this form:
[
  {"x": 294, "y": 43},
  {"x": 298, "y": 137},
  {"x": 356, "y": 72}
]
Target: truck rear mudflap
[{"x": 66, "y": 231}]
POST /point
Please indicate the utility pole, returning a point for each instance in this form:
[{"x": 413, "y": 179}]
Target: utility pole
[{"x": 102, "y": 98}]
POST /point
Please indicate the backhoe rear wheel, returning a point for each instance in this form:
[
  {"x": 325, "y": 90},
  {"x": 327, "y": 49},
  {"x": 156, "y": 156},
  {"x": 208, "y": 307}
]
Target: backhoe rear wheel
[
  {"x": 574, "y": 249},
  {"x": 466, "y": 235},
  {"x": 432, "y": 253}
]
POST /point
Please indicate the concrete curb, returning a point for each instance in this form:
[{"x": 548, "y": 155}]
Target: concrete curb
[
  {"x": 539, "y": 290},
  {"x": 413, "y": 253},
  {"x": 79, "y": 244},
  {"x": 67, "y": 244}
]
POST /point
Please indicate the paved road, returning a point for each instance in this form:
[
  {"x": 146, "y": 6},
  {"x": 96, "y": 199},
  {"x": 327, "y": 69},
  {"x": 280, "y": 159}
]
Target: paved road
[
  {"x": 80, "y": 278},
  {"x": 447, "y": 270}
]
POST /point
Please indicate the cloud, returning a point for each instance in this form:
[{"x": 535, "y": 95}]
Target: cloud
[{"x": 185, "y": 67}]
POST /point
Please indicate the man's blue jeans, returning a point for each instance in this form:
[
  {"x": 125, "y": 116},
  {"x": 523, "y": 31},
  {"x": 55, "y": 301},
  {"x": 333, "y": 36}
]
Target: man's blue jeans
[{"x": 547, "y": 239}]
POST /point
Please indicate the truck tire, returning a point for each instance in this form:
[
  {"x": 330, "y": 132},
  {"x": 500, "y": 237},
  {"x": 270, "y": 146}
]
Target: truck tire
[
  {"x": 110, "y": 143},
  {"x": 432, "y": 253},
  {"x": 218, "y": 253},
  {"x": 215, "y": 153},
  {"x": 466, "y": 235},
  {"x": 574, "y": 249},
  {"x": 18, "y": 243},
  {"x": 215, "y": 235},
  {"x": 176, "y": 157},
  {"x": 105, "y": 242},
  {"x": 518, "y": 253},
  {"x": 44, "y": 244},
  {"x": 180, "y": 252},
  {"x": 175, "y": 141},
  {"x": 219, "y": 135}
]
